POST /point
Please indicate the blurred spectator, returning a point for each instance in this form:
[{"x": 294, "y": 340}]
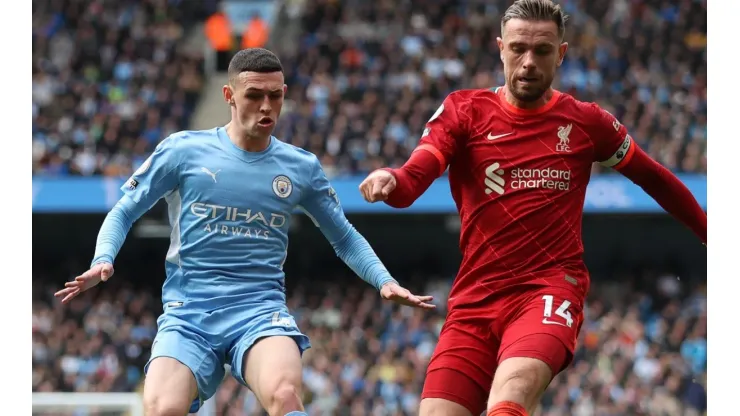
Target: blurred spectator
[
  {"x": 220, "y": 36},
  {"x": 255, "y": 33}
]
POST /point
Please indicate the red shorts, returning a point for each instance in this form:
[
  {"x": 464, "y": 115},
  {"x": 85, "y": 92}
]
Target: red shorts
[{"x": 534, "y": 321}]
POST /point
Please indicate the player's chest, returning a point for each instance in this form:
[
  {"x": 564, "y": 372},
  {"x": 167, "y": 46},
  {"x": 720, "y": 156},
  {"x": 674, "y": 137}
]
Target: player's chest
[
  {"x": 225, "y": 181},
  {"x": 535, "y": 142}
]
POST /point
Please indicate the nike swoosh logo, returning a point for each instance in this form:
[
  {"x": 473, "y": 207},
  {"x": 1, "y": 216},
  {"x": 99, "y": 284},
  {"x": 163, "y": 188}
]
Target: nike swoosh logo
[
  {"x": 498, "y": 136},
  {"x": 549, "y": 322}
]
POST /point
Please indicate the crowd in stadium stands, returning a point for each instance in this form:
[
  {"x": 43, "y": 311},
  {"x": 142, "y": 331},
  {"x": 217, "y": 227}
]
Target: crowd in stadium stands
[
  {"x": 369, "y": 74},
  {"x": 643, "y": 349},
  {"x": 110, "y": 82}
]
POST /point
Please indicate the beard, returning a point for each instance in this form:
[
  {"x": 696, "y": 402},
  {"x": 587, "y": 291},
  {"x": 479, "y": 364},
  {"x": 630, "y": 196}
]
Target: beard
[{"x": 529, "y": 92}]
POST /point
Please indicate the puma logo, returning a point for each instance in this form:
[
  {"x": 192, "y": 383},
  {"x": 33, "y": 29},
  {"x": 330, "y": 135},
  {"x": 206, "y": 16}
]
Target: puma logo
[{"x": 211, "y": 174}]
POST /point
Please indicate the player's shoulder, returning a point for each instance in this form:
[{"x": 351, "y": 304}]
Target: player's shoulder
[
  {"x": 295, "y": 154},
  {"x": 187, "y": 138},
  {"x": 584, "y": 112},
  {"x": 195, "y": 136},
  {"x": 468, "y": 102},
  {"x": 472, "y": 95},
  {"x": 568, "y": 100}
]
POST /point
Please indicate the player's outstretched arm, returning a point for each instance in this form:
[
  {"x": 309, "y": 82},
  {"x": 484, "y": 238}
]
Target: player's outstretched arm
[
  {"x": 321, "y": 203},
  {"x": 399, "y": 188},
  {"x": 667, "y": 190},
  {"x": 110, "y": 239},
  {"x": 156, "y": 177},
  {"x": 616, "y": 149}
]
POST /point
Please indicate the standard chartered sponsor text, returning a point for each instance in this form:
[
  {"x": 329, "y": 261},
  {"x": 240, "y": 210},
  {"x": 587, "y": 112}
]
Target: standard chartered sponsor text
[{"x": 545, "y": 178}]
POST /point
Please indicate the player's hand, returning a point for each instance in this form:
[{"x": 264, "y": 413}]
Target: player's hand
[
  {"x": 393, "y": 292},
  {"x": 377, "y": 186},
  {"x": 100, "y": 272}
]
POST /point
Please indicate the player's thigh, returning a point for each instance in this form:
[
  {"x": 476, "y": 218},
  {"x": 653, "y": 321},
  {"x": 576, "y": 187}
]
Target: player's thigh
[
  {"x": 267, "y": 356},
  {"x": 538, "y": 343},
  {"x": 169, "y": 387},
  {"x": 460, "y": 371},
  {"x": 182, "y": 373},
  {"x": 273, "y": 370}
]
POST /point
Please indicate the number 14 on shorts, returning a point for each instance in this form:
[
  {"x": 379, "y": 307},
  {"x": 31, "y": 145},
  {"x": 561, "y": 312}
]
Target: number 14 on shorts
[{"x": 562, "y": 312}]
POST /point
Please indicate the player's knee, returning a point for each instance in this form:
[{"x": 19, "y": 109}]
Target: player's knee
[
  {"x": 520, "y": 387},
  {"x": 520, "y": 380},
  {"x": 162, "y": 405},
  {"x": 442, "y": 407},
  {"x": 284, "y": 399}
]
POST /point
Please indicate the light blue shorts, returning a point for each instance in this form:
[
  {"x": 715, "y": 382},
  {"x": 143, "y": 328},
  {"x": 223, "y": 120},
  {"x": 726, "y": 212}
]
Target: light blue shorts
[{"x": 206, "y": 341}]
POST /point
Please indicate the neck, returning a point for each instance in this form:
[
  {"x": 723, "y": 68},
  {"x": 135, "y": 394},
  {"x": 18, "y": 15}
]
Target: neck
[
  {"x": 243, "y": 141},
  {"x": 528, "y": 105}
]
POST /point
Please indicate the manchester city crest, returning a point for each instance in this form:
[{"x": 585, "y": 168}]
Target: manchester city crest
[{"x": 282, "y": 186}]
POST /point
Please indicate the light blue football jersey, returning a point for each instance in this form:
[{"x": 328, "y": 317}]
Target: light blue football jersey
[{"x": 230, "y": 211}]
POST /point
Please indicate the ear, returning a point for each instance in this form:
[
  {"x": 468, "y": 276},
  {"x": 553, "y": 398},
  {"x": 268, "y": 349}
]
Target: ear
[
  {"x": 285, "y": 89},
  {"x": 228, "y": 94},
  {"x": 561, "y": 52},
  {"x": 500, "y": 43}
]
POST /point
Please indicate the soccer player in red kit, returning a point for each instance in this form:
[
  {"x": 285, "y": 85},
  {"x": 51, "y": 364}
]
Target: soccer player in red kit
[{"x": 519, "y": 159}]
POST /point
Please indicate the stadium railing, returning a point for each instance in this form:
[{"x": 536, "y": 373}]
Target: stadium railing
[{"x": 54, "y": 403}]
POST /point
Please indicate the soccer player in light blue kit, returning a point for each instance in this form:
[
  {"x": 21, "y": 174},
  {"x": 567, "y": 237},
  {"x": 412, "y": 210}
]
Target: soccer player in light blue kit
[{"x": 231, "y": 192}]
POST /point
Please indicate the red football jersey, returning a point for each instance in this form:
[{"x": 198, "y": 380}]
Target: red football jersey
[{"x": 518, "y": 178}]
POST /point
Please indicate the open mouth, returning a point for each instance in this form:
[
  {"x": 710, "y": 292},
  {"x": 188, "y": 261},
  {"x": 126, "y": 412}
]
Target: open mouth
[
  {"x": 528, "y": 80},
  {"x": 265, "y": 122}
]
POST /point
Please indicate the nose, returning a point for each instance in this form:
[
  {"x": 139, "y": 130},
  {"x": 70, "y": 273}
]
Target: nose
[
  {"x": 528, "y": 61},
  {"x": 265, "y": 106}
]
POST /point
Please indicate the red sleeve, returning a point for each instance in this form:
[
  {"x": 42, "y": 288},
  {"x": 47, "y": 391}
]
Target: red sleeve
[
  {"x": 438, "y": 146},
  {"x": 615, "y": 148}
]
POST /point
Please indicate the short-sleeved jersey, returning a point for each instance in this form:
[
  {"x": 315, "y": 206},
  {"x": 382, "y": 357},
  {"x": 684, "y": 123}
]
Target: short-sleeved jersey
[
  {"x": 518, "y": 178},
  {"x": 230, "y": 211}
]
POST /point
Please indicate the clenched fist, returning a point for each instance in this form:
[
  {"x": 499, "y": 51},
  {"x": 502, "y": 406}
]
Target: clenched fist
[{"x": 377, "y": 186}]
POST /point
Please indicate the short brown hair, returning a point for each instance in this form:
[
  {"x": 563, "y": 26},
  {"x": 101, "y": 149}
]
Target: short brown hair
[
  {"x": 536, "y": 10},
  {"x": 253, "y": 60}
]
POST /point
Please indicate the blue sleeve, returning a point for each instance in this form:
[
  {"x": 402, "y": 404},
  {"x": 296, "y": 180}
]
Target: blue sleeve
[
  {"x": 321, "y": 204},
  {"x": 155, "y": 178},
  {"x": 114, "y": 229}
]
